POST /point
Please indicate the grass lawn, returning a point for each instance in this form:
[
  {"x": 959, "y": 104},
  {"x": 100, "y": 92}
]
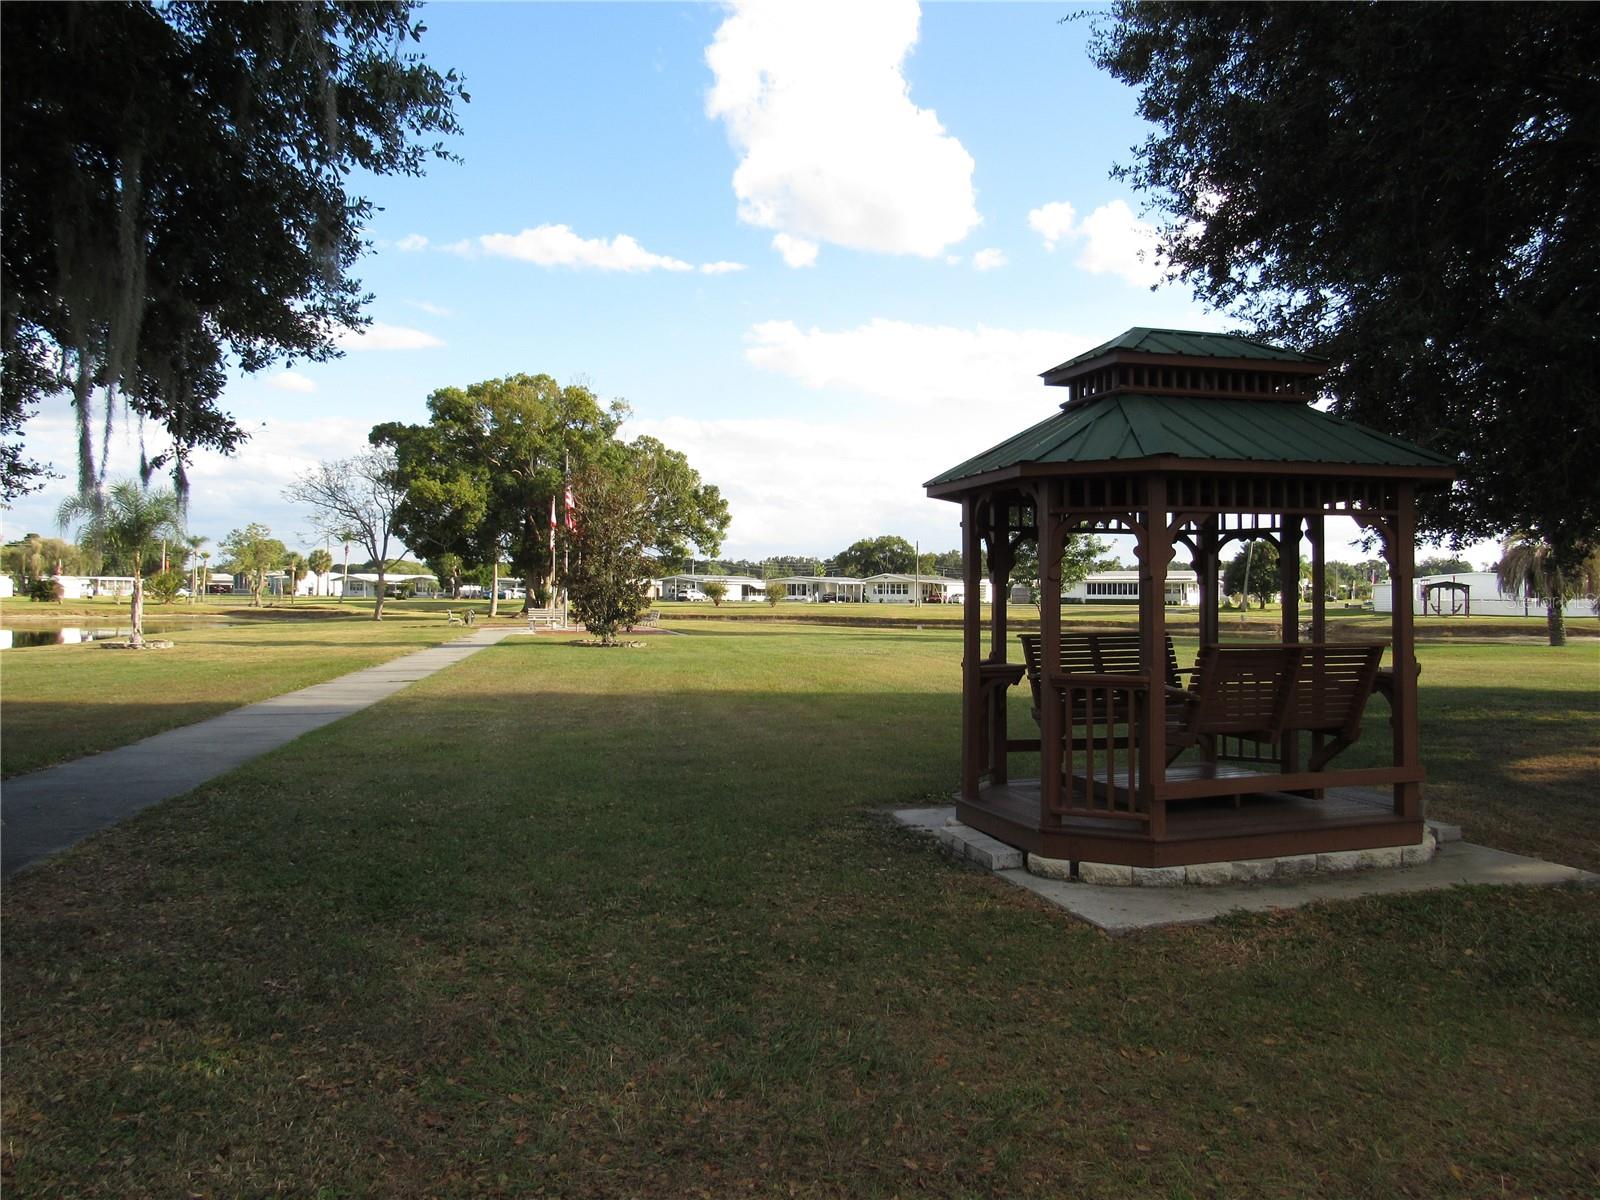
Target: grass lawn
[
  {"x": 61, "y": 702},
  {"x": 570, "y": 922}
]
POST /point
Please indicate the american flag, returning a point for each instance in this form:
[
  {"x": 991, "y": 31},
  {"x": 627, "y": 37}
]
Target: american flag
[{"x": 572, "y": 510}]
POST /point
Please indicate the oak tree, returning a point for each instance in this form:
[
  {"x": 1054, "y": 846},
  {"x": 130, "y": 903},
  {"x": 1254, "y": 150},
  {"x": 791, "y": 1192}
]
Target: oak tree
[{"x": 1407, "y": 189}]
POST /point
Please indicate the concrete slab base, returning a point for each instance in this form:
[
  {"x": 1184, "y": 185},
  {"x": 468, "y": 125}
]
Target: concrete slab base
[{"x": 1114, "y": 906}]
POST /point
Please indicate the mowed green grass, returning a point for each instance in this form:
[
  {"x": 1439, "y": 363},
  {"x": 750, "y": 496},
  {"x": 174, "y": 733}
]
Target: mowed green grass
[
  {"x": 622, "y": 923},
  {"x": 62, "y": 702}
]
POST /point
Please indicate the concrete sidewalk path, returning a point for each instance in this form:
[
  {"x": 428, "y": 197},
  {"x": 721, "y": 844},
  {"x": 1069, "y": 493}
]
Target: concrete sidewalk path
[{"x": 45, "y": 812}]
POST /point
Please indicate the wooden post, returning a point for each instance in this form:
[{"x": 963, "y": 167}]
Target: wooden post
[
  {"x": 1154, "y": 550},
  {"x": 1205, "y": 565},
  {"x": 1289, "y": 575},
  {"x": 1047, "y": 527},
  {"x": 1401, "y": 552},
  {"x": 971, "y": 651},
  {"x": 1289, "y": 592},
  {"x": 999, "y": 569},
  {"x": 1316, "y": 536}
]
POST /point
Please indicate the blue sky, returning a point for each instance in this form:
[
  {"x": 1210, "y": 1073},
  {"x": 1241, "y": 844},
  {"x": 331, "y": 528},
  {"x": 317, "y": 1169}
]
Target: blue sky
[{"x": 822, "y": 248}]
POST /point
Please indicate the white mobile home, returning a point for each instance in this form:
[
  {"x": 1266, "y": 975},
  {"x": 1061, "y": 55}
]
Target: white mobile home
[
  {"x": 890, "y": 588},
  {"x": 1469, "y": 594},
  {"x": 692, "y": 586},
  {"x": 1122, "y": 587},
  {"x": 820, "y": 589}
]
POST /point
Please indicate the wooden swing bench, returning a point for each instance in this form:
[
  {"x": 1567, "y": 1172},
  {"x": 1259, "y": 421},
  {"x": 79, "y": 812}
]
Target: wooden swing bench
[{"x": 1255, "y": 694}]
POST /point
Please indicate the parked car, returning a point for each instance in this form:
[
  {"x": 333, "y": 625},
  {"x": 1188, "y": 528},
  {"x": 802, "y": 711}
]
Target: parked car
[
  {"x": 693, "y": 595},
  {"x": 830, "y": 598}
]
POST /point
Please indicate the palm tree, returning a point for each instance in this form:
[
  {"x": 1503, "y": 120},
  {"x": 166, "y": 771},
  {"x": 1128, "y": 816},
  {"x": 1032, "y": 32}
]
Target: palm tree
[
  {"x": 194, "y": 543},
  {"x": 320, "y": 562},
  {"x": 127, "y": 521},
  {"x": 1528, "y": 567}
]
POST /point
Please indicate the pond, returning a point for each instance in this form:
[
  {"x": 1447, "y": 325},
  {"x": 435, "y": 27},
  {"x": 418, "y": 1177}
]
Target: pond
[{"x": 73, "y": 635}]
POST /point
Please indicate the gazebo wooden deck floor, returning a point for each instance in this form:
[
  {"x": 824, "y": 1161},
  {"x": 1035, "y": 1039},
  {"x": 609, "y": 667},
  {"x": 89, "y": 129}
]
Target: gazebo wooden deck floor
[{"x": 1262, "y": 825}]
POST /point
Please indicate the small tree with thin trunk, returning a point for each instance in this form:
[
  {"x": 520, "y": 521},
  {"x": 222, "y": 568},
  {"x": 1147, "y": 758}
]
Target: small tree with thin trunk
[
  {"x": 607, "y": 582},
  {"x": 358, "y": 496},
  {"x": 294, "y": 565},
  {"x": 194, "y": 542},
  {"x": 715, "y": 591},
  {"x": 1529, "y": 567},
  {"x": 126, "y": 521}
]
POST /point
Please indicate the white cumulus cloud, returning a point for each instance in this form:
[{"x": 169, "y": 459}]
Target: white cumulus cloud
[
  {"x": 720, "y": 268},
  {"x": 919, "y": 365},
  {"x": 797, "y": 252},
  {"x": 1111, "y": 239},
  {"x": 1053, "y": 222},
  {"x": 433, "y": 310},
  {"x": 291, "y": 381},
  {"x": 412, "y": 242},
  {"x": 833, "y": 149},
  {"x": 1115, "y": 242},
  {"x": 382, "y": 336},
  {"x": 988, "y": 260},
  {"x": 559, "y": 246}
]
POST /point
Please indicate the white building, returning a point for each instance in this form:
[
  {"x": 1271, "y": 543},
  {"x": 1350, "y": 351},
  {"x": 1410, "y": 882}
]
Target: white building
[
  {"x": 1122, "y": 587},
  {"x": 890, "y": 588},
  {"x": 739, "y": 587},
  {"x": 819, "y": 589},
  {"x": 1471, "y": 593},
  {"x": 92, "y": 587}
]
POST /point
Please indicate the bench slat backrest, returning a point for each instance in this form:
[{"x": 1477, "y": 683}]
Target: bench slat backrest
[
  {"x": 1243, "y": 691},
  {"x": 1332, "y": 691},
  {"x": 1092, "y": 654}
]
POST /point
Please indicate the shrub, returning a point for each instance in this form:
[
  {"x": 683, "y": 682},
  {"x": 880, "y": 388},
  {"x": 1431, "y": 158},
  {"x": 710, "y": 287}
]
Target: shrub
[{"x": 45, "y": 591}]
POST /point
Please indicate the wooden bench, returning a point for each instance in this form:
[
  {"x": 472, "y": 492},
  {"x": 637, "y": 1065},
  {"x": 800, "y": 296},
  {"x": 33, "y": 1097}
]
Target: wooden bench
[
  {"x": 450, "y": 618},
  {"x": 546, "y": 618},
  {"x": 1092, "y": 654},
  {"x": 650, "y": 620},
  {"x": 1261, "y": 693}
]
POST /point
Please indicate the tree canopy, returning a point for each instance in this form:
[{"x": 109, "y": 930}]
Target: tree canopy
[
  {"x": 886, "y": 555},
  {"x": 480, "y": 478},
  {"x": 252, "y": 552},
  {"x": 1260, "y": 558},
  {"x": 176, "y": 199},
  {"x": 1407, "y": 189}
]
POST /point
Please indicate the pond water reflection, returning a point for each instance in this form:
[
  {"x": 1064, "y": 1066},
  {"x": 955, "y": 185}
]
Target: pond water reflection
[{"x": 73, "y": 635}]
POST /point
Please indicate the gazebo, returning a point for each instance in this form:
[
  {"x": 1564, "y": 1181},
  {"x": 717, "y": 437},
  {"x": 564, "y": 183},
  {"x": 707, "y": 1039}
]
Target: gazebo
[{"x": 1190, "y": 440}]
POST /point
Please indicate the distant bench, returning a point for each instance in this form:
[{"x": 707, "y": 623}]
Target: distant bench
[
  {"x": 650, "y": 620},
  {"x": 546, "y": 618}
]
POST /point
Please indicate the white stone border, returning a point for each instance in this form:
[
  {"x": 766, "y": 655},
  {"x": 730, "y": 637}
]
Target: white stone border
[{"x": 1246, "y": 870}]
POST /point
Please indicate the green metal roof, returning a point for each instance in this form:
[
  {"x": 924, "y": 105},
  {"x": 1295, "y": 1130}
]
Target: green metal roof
[
  {"x": 1128, "y": 427},
  {"x": 1141, "y": 340}
]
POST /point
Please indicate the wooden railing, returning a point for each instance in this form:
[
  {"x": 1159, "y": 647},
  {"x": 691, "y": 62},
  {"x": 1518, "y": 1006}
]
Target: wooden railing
[{"x": 1100, "y": 719}]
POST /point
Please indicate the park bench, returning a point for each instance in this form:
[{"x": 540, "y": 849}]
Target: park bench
[
  {"x": 1241, "y": 693},
  {"x": 650, "y": 620},
  {"x": 1092, "y": 654},
  {"x": 1260, "y": 693},
  {"x": 546, "y": 618},
  {"x": 451, "y": 617}
]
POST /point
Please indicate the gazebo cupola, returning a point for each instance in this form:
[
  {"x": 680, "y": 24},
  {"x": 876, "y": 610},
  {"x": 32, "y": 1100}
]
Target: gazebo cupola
[{"x": 1193, "y": 440}]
